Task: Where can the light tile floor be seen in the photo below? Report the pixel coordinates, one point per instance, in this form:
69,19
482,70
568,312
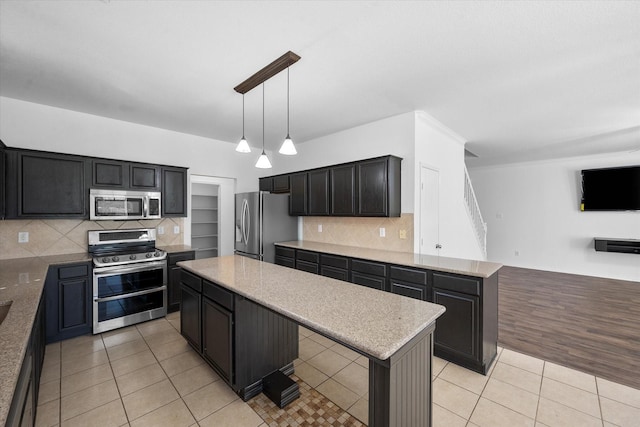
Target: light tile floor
147,375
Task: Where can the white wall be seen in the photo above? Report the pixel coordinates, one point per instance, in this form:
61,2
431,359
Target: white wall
394,135
539,204
439,148
41,127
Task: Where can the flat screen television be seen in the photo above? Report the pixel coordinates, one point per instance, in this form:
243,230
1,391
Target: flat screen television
611,189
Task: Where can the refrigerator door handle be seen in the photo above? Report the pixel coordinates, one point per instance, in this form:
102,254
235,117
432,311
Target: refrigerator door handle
247,228
242,218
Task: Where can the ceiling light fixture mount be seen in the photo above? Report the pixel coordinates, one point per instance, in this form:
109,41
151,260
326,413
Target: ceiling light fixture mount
280,64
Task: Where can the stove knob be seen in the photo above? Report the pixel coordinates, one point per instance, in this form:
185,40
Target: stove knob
157,253
149,255
105,259
132,257
116,258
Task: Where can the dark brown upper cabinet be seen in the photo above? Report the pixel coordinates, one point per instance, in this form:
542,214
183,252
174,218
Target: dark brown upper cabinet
319,192
2,179
174,192
378,183
125,175
343,190
45,185
298,194
368,187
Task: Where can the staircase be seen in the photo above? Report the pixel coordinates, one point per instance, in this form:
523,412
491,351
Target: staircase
479,226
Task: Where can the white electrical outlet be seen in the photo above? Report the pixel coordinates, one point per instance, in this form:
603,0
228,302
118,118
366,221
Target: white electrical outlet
160,230
23,237
382,232
319,228
176,229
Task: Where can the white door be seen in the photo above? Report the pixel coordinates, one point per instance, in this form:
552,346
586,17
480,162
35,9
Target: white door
429,211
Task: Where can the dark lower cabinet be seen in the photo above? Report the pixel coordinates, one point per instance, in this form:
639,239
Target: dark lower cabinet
174,192
217,338
466,334
241,340
190,315
173,278
68,299
22,411
457,329
2,180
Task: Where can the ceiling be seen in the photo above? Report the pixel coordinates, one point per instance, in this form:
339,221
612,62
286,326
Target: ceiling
517,80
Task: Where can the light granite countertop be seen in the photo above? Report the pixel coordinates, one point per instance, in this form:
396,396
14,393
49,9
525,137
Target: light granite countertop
374,322
21,281
174,248
467,267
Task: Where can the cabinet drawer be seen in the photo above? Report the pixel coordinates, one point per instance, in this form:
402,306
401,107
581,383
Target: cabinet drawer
286,262
307,256
73,271
285,252
218,294
409,275
335,273
181,256
410,290
334,261
454,283
367,280
307,266
191,280
375,268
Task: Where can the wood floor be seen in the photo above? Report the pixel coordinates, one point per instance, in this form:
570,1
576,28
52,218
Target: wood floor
582,322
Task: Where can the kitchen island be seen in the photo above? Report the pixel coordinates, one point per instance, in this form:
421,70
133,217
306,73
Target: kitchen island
392,331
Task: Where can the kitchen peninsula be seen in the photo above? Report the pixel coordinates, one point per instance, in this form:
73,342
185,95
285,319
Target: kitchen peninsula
392,331
466,334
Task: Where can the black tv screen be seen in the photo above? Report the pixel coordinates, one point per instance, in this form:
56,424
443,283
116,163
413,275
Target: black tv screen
611,189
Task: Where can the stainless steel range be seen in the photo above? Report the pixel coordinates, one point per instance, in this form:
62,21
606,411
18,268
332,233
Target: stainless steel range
129,278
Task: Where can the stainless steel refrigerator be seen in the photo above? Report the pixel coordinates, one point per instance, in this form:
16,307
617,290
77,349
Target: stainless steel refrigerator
261,220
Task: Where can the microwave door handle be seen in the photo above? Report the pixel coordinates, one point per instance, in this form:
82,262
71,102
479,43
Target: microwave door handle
145,206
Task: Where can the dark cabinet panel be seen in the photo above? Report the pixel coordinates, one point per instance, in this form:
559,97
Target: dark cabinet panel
466,285
298,194
319,192
144,177
411,290
68,298
457,330
107,173
173,283
286,262
343,190
335,273
313,257
217,344
369,267
372,187
335,261
309,267
46,185
174,192
375,282
266,184
2,180
190,315
281,184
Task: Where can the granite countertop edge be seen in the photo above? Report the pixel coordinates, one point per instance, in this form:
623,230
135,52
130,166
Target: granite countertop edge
475,268
22,282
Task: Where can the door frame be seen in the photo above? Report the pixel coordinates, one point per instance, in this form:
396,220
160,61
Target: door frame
419,207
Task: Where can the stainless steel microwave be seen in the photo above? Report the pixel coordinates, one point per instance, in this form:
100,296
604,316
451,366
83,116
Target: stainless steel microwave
114,204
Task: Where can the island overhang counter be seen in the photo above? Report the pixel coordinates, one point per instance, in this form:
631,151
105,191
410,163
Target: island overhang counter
394,332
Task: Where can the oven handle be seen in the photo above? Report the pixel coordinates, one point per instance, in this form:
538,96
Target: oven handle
118,269
129,295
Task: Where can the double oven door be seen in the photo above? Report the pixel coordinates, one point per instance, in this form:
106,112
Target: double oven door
127,294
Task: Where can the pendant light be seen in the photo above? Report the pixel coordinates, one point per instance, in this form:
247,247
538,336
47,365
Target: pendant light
243,145
263,161
287,147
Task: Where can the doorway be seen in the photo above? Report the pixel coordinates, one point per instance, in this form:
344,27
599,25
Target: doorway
429,211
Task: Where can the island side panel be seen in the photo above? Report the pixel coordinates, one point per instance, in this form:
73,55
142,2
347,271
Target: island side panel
489,321
264,342
400,387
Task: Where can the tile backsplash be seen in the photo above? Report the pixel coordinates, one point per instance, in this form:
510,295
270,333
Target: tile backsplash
67,236
361,232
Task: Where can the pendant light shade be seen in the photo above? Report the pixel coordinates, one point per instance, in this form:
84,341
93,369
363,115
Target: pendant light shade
263,161
287,147
243,145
